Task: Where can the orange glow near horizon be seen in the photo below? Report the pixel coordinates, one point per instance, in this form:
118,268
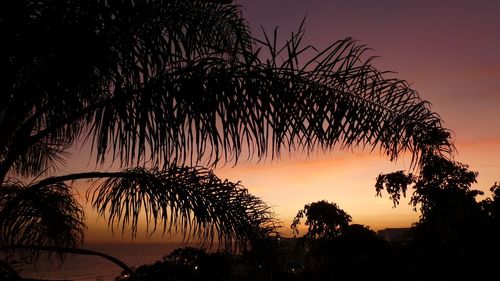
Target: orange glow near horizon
345,178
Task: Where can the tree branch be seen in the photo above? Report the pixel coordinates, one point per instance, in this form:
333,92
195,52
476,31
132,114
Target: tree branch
79,176
68,250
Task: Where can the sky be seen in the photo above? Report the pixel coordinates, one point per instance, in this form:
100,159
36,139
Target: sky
450,53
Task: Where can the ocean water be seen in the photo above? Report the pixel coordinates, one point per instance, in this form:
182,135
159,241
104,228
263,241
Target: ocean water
92,268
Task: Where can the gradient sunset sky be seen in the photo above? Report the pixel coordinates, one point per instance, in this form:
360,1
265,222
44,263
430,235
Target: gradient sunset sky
448,50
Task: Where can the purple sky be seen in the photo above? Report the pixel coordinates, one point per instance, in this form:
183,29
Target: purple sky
449,50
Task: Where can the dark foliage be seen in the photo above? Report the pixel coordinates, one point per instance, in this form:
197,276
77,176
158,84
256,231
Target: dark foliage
189,264
324,220
453,236
180,196
46,217
335,250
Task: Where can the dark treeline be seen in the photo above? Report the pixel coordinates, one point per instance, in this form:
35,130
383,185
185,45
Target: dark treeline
456,238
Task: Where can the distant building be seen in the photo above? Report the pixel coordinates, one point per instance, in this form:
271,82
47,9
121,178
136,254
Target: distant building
393,234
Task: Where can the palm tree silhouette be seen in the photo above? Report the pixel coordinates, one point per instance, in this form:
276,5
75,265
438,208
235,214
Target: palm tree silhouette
163,88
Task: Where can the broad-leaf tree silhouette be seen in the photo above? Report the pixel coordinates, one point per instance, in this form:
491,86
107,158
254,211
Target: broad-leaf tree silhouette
162,88
442,190
492,205
333,248
448,238
324,220
326,224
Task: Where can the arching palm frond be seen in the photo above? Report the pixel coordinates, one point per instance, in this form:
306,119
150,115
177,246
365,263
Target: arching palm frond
184,81
41,157
192,202
45,217
215,109
92,54
189,201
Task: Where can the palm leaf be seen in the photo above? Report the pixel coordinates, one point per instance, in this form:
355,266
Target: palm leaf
46,217
217,110
184,82
49,95
190,201
203,107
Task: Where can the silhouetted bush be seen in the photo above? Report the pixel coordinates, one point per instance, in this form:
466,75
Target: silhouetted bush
185,264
